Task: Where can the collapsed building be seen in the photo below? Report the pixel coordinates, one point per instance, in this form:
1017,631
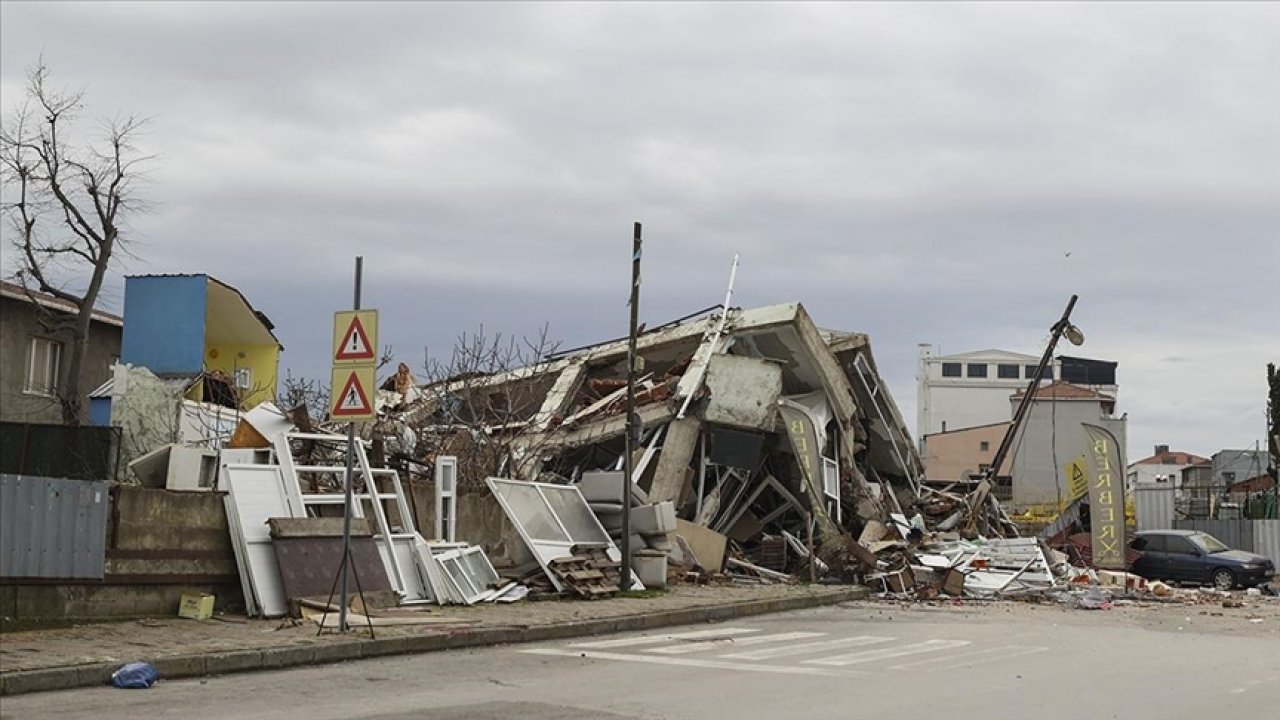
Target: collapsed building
755,424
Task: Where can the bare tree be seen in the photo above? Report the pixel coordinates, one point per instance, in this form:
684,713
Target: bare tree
477,406
67,205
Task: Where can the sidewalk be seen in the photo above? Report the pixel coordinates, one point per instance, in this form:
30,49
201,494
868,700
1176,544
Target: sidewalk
86,655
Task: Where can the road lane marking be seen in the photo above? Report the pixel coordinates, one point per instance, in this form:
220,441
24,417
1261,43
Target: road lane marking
692,662
652,639
886,653
996,653
693,647
805,648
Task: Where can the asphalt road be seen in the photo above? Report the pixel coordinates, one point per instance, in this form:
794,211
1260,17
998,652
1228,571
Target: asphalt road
835,662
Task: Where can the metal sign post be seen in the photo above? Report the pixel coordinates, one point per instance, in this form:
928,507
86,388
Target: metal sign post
351,395
346,500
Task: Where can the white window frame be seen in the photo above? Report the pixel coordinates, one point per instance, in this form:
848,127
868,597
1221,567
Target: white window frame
52,367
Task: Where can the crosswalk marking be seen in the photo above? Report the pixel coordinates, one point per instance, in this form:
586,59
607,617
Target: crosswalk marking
978,656
805,648
693,647
699,663
886,653
652,639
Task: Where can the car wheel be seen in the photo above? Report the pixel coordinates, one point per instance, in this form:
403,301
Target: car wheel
1224,579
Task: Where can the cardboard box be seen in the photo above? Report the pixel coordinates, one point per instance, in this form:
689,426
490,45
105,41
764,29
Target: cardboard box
196,606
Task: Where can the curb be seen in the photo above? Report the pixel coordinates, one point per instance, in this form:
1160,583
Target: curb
218,663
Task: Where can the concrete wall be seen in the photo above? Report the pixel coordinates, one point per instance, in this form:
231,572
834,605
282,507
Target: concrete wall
165,323
481,521
949,454
160,544
1052,432
18,324
955,407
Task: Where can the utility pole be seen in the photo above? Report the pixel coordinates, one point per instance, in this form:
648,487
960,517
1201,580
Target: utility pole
632,429
1007,441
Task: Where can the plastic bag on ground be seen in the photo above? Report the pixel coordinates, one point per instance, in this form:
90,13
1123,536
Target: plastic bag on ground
135,676
1095,599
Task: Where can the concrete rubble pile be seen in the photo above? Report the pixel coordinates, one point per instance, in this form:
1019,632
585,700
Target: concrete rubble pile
768,447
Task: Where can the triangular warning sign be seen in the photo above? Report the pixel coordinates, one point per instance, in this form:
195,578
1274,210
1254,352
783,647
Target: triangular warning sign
353,400
355,343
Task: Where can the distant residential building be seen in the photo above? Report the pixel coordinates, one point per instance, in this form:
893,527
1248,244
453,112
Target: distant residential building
1233,466
1163,467
960,455
971,389
34,354
1035,470
1052,437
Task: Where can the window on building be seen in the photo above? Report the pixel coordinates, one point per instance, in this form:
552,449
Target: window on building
43,365
950,369
977,370
1029,371
984,446
244,379
1229,477
1007,372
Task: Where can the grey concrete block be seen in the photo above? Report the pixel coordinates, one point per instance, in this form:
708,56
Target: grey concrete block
339,651
180,666
229,662
283,657
98,674
656,519
385,646
41,680
606,487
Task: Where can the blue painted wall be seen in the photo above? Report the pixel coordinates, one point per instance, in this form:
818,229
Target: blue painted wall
164,323
100,411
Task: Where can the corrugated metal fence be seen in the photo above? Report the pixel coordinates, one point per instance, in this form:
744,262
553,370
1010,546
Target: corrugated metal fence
1235,533
1153,508
52,528
1257,536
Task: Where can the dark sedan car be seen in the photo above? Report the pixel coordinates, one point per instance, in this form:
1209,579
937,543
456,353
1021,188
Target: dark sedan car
1193,556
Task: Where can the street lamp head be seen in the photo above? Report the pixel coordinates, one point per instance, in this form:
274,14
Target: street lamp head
1074,335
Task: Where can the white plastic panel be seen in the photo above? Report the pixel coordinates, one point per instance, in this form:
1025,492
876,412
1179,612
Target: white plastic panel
255,493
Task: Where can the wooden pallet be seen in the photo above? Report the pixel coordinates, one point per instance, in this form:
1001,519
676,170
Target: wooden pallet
588,573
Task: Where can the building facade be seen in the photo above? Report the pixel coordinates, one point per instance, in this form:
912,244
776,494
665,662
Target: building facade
33,358
1052,438
194,354
1164,467
961,455
970,389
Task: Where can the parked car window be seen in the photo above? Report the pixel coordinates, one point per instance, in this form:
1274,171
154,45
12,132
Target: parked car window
1209,543
1180,545
1151,543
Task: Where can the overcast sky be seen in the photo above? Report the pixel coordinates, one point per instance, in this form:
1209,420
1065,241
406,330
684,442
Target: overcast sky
922,173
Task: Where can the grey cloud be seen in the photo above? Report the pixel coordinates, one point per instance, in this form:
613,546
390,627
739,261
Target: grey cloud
918,172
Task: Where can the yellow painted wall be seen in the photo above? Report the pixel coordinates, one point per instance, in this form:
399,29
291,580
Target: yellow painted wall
262,360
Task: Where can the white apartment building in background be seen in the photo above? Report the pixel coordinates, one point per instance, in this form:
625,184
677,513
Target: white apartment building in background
970,389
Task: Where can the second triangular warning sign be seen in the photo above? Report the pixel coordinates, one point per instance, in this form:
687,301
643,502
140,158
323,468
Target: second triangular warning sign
351,396
355,335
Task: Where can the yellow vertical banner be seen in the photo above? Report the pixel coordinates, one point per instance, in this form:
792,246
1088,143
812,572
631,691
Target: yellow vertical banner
1106,497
